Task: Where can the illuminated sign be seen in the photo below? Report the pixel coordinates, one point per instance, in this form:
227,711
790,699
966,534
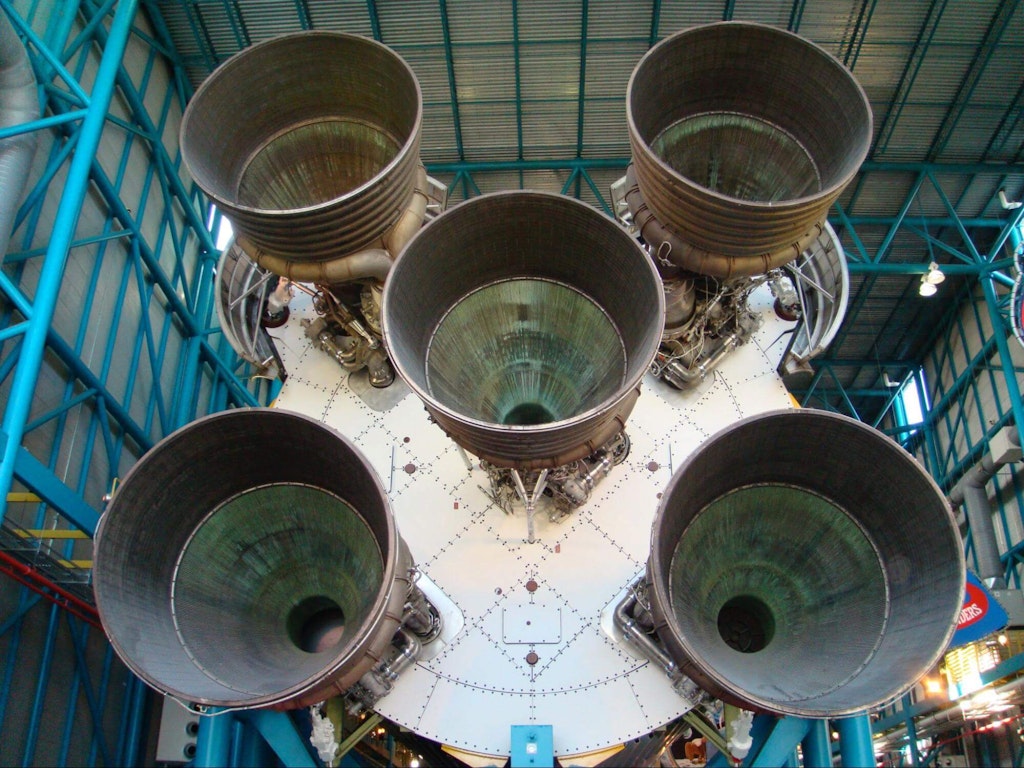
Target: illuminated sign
980,614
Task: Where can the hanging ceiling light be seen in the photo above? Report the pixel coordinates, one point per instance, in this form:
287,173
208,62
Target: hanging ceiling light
930,280
934,274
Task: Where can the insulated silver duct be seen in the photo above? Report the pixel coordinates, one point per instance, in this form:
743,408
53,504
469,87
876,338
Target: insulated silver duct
19,104
251,559
525,322
971,494
309,143
821,287
242,289
804,564
742,137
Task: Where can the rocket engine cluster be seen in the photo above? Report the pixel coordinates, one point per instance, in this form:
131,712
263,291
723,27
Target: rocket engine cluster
526,322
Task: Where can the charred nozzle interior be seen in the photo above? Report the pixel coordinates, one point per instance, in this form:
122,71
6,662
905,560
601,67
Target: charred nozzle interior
742,137
525,321
251,559
805,564
308,142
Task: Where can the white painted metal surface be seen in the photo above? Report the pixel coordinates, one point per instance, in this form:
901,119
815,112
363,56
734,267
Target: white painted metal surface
506,602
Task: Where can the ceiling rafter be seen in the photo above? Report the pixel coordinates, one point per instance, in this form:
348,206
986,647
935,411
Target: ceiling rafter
570,136
983,55
911,70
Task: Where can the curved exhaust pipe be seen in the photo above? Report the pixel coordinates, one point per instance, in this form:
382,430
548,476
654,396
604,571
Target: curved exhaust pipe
19,104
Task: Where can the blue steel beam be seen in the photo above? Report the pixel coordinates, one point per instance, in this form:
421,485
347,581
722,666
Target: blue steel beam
31,354
302,11
13,257
77,94
213,742
867,168
27,467
890,117
1010,375
202,35
190,369
140,113
218,743
104,691
958,106
953,213
181,310
45,122
1010,232
130,739
915,756
775,746
796,14
90,380
449,61
45,484
371,10
855,747
234,17
581,87
82,676
652,38
519,84
883,249
851,49
280,732
817,746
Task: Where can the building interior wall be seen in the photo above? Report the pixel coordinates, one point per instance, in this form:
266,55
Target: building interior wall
119,370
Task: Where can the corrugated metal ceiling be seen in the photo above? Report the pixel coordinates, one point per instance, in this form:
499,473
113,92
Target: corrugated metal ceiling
531,93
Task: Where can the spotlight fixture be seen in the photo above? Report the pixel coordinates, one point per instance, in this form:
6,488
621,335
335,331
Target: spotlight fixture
934,274
930,280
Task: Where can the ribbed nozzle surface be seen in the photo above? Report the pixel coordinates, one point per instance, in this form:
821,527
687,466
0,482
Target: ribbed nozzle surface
804,563
308,142
524,321
743,135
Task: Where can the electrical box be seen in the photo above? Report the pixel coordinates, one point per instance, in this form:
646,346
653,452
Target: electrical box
179,727
1003,450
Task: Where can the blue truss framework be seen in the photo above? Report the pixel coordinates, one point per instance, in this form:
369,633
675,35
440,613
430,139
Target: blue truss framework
181,367
127,381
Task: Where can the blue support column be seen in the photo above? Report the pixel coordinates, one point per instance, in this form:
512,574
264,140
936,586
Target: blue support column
817,746
133,742
30,359
280,732
855,747
776,746
915,756
213,743
248,748
190,366
1012,387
